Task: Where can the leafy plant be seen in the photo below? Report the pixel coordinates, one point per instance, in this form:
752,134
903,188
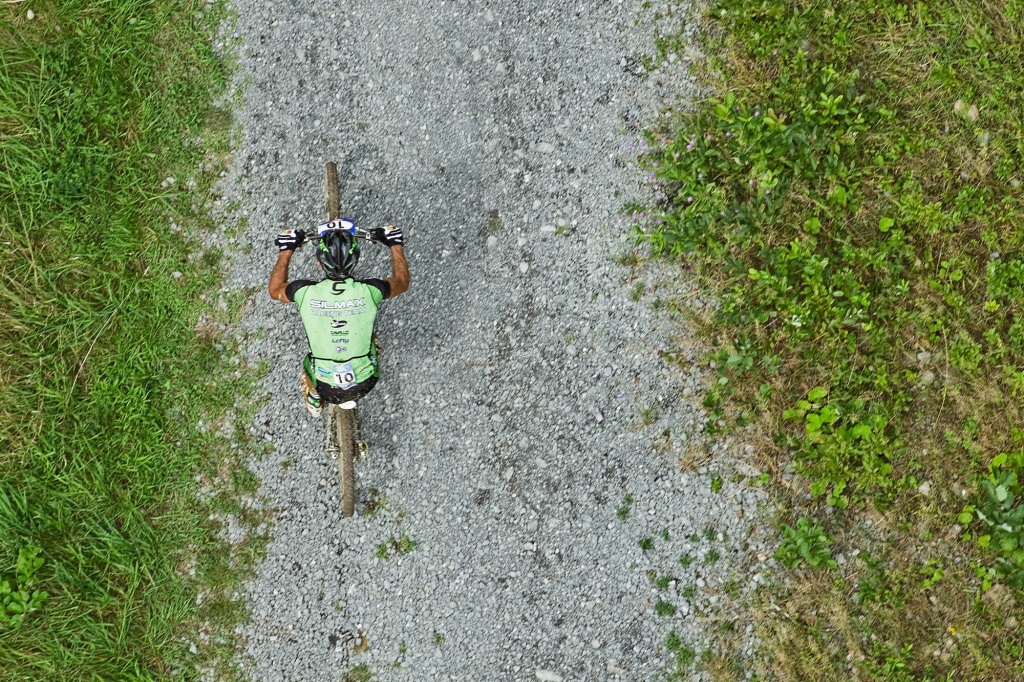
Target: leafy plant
663,608
1001,515
805,545
19,597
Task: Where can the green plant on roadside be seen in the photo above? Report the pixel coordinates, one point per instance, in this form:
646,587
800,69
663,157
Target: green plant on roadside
853,196
360,673
684,657
437,638
1000,514
19,596
686,559
108,413
716,484
711,557
663,608
627,505
395,546
807,544
648,416
646,543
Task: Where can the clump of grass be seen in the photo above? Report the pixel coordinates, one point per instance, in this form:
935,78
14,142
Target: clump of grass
627,505
648,416
854,197
104,377
686,559
646,543
663,608
360,673
437,638
395,545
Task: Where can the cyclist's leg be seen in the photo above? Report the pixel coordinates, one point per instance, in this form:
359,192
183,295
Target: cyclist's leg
309,393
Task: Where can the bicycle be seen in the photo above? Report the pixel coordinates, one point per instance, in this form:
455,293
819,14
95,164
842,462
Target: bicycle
344,442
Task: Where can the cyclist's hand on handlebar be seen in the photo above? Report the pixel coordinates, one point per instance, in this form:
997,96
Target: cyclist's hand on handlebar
289,240
388,236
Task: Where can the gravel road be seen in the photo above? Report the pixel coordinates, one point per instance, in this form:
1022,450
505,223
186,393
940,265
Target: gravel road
527,435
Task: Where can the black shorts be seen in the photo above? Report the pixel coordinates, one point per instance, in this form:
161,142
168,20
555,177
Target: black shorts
330,394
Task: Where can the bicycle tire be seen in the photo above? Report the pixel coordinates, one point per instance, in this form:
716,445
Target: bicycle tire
331,193
345,426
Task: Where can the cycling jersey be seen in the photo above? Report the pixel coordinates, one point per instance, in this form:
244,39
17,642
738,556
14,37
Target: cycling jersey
338,316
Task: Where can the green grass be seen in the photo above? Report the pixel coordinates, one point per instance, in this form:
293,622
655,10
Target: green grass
853,197
103,378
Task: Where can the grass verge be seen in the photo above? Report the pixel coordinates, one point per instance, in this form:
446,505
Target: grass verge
853,196
108,414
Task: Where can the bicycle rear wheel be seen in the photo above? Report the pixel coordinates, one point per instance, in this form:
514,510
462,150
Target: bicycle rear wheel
344,426
331,192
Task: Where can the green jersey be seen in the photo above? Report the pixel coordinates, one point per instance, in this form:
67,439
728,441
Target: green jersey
338,316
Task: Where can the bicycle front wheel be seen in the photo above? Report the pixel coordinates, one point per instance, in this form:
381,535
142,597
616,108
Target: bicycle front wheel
332,196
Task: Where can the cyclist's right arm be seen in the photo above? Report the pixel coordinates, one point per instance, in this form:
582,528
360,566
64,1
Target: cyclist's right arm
398,282
279,277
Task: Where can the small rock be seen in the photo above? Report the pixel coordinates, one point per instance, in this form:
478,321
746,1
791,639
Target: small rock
972,113
545,147
925,488
548,676
927,377
492,241
30,15
488,16
176,274
523,267
547,228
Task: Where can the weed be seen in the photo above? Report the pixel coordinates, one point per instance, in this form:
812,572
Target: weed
360,673
805,545
646,543
19,596
663,608
400,545
627,504
711,557
684,656
648,416
663,582
437,638
636,292
689,592
375,501
400,659
665,535
716,484
686,559
494,220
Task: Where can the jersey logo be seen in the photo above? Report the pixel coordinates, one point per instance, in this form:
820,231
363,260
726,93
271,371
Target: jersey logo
338,288
338,324
337,305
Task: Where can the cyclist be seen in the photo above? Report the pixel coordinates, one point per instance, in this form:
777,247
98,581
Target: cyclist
338,312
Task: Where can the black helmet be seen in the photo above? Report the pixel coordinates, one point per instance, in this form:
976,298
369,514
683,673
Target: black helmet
338,253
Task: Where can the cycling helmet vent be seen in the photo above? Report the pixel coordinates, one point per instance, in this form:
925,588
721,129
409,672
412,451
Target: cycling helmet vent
338,253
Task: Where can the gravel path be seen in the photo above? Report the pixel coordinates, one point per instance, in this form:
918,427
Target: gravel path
526,434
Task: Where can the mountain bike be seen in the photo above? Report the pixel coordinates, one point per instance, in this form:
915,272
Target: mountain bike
344,442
